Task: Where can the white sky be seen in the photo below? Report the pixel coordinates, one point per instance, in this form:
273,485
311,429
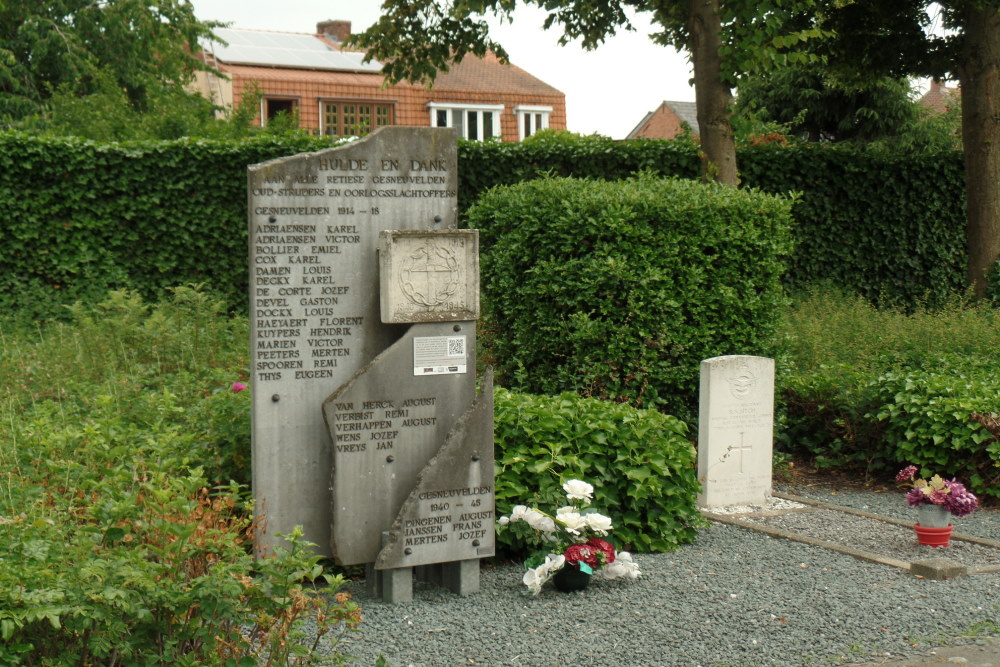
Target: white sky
608,90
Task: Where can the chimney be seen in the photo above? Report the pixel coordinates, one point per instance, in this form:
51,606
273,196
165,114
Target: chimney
338,31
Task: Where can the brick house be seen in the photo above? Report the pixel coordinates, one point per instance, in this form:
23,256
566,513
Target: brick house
335,93
665,122
940,98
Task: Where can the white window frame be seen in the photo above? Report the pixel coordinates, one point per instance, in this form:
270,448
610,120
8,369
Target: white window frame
535,117
464,110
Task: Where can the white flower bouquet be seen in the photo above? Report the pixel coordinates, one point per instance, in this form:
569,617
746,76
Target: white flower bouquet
571,539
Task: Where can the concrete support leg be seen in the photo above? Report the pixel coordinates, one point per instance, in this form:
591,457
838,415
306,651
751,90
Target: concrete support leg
461,577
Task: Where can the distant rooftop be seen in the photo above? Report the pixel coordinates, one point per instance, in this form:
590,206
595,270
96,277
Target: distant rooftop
687,112
265,48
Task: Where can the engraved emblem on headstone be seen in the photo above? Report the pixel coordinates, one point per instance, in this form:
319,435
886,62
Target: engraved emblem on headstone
741,383
429,275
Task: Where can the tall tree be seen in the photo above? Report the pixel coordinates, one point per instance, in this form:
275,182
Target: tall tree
417,38
78,46
818,107
878,37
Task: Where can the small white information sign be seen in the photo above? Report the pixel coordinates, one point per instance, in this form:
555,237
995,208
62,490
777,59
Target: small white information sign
439,355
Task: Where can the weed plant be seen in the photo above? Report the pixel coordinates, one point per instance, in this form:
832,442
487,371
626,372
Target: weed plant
871,387
125,528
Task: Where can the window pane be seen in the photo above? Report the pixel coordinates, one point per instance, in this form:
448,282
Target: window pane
442,118
364,119
538,122
487,125
527,124
330,119
473,132
381,116
456,122
350,118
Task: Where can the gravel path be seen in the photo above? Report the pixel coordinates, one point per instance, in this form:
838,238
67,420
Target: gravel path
734,597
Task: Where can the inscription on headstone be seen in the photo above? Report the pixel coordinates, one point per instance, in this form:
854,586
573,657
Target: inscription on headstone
314,223
386,424
735,433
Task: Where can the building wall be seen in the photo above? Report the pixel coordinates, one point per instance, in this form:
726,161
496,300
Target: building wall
662,124
308,87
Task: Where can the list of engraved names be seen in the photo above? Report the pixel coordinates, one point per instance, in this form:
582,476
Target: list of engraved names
305,319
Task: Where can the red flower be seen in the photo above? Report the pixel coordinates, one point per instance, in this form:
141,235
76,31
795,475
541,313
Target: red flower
605,551
581,553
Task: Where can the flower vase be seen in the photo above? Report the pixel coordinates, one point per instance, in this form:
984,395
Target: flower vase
932,527
568,579
932,516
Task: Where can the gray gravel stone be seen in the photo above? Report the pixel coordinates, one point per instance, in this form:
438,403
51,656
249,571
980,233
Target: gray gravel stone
734,597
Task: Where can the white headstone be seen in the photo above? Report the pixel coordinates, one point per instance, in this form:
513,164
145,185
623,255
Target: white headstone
735,432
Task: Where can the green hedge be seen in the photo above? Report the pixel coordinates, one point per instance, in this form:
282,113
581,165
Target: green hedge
641,464
890,227
619,289
83,217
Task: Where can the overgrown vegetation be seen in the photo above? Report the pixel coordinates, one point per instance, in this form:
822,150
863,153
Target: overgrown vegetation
123,540
641,464
874,388
618,290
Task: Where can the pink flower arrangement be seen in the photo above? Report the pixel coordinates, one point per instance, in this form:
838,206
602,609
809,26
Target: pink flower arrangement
238,387
952,494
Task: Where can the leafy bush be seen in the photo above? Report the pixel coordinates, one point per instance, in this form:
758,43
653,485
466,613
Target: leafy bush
640,462
938,418
877,388
115,549
619,290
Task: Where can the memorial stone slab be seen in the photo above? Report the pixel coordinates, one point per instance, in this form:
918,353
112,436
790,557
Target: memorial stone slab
314,225
449,515
385,425
735,432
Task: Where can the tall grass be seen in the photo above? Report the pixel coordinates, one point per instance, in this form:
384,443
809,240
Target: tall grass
124,522
874,388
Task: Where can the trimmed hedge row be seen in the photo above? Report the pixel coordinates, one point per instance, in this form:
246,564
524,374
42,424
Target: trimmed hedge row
619,289
640,462
83,217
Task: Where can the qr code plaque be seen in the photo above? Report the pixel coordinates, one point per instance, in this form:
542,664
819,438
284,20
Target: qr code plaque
456,346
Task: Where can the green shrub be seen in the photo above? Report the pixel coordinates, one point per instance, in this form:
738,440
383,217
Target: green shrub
618,290
640,462
873,388
937,418
114,547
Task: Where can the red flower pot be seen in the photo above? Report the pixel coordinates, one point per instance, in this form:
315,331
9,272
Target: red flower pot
934,537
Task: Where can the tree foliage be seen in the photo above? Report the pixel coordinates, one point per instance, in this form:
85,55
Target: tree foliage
417,38
875,38
818,107
81,47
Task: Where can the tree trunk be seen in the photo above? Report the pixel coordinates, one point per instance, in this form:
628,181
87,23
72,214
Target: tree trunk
979,73
713,96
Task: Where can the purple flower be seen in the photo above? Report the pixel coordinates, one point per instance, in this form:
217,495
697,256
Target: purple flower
960,501
916,497
238,387
907,473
